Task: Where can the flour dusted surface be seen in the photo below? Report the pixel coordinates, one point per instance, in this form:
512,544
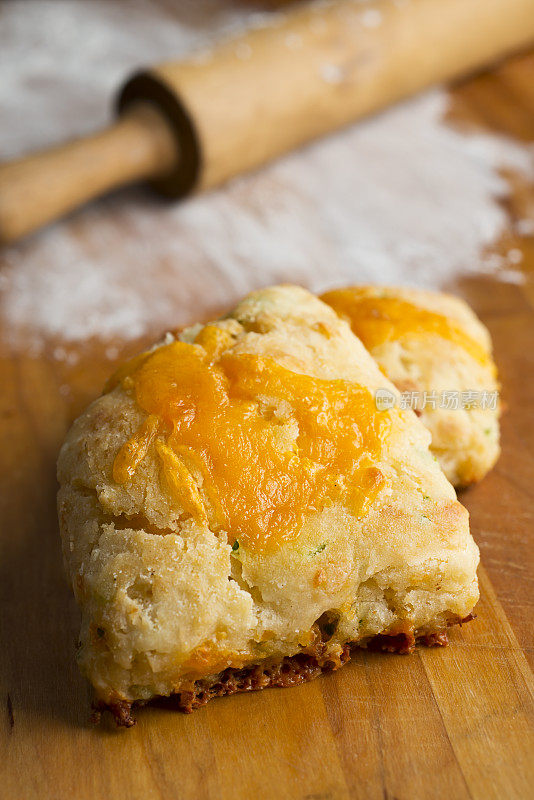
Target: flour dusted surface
401,198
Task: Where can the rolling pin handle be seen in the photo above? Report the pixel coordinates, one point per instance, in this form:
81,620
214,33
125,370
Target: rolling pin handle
46,185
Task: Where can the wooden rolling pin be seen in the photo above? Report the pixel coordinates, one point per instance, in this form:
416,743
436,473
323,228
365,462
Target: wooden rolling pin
191,125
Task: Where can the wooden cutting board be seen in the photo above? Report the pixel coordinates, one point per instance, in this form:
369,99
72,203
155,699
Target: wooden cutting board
443,723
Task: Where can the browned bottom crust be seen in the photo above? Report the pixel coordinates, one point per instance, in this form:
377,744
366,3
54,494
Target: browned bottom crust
289,671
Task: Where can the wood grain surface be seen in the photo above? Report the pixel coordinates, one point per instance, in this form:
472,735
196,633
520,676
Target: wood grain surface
443,723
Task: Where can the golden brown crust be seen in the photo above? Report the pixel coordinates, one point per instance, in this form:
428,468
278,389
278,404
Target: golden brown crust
315,660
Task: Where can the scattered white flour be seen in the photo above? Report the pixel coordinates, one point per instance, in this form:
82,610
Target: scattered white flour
401,198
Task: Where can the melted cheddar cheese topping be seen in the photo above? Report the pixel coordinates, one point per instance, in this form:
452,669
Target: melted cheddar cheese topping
380,319
247,446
